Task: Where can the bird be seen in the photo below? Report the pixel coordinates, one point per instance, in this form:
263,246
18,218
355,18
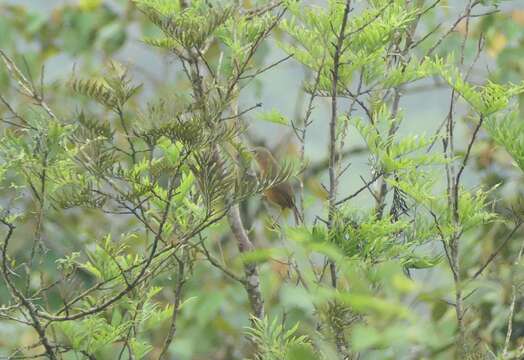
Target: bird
281,194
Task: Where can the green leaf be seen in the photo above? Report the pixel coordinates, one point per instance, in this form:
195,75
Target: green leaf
184,187
274,116
364,337
301,352
438,310
139,348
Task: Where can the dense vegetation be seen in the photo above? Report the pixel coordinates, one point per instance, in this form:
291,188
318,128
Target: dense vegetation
139,220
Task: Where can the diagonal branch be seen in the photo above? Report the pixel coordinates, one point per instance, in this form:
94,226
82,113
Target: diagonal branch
497,251
30,307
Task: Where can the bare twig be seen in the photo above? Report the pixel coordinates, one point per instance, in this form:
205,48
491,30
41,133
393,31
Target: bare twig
243,112
496,252
453,183
302,133
364,187
333,152
27,304
219,266
379,13
26,86
180,279
510,321
334,158
466,156
264,69
263,9
512,307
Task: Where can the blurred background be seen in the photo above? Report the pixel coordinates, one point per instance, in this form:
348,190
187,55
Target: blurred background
58,39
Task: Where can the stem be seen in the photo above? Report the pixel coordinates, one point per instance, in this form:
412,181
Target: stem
333,153
459,300
397,94
120,113
39,228
176,305
510,321
453,184
333,160
30,307
512,306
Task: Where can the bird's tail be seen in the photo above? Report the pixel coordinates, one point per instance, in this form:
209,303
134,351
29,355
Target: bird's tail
298,217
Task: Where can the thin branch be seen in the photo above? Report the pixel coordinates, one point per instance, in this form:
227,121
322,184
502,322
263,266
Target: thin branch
250,14
130,286
219,266
466,156
453,182
176,307
340,340
243,112
512,307
120,113
510,321
364,187
26,86
466,14
333,124
497,251
379,13
30,307
260,71
302,133
16,115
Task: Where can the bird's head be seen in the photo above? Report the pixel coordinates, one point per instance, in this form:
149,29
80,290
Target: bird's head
265,159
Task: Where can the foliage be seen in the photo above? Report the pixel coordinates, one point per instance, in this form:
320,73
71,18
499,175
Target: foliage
131,212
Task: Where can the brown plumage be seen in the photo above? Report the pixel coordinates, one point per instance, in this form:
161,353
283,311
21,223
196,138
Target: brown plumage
281,194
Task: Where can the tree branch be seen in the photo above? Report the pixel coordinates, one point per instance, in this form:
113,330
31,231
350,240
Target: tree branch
252,283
